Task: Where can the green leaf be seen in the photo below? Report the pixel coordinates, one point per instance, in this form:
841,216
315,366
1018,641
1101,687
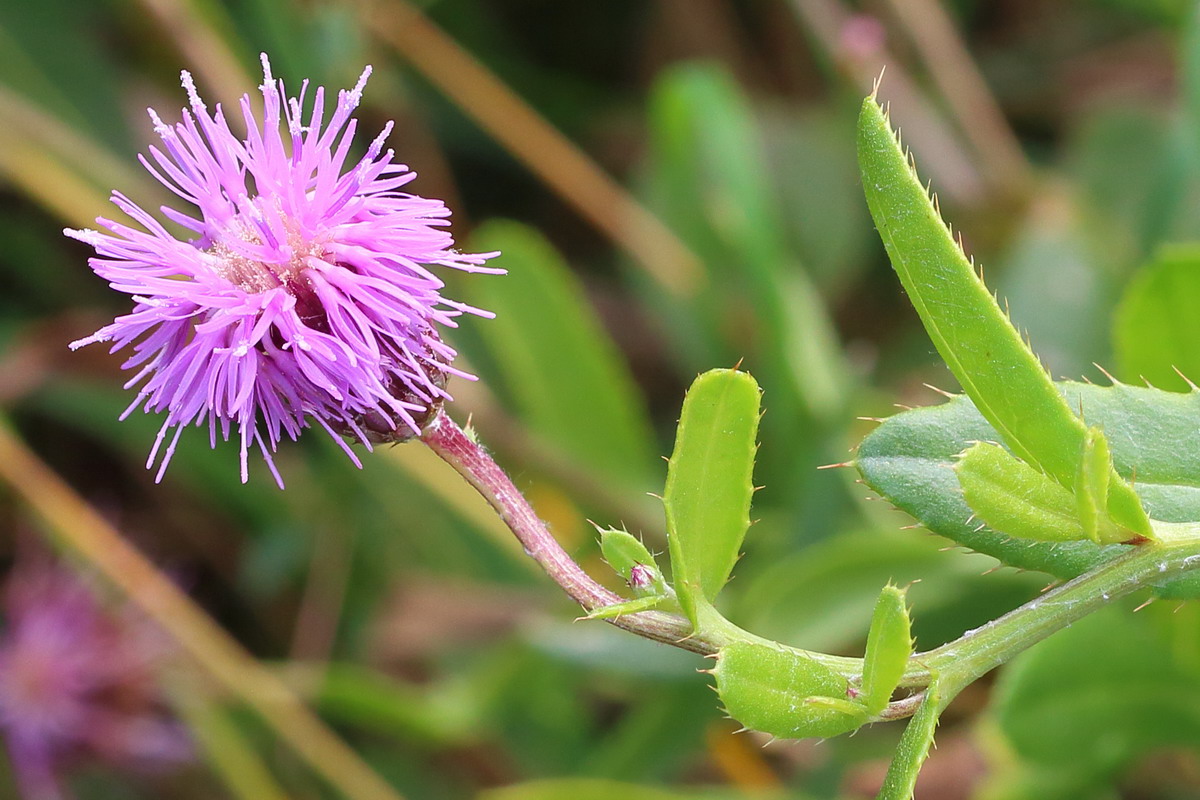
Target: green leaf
975,338
1157,330
709,483
646,603
624,552
1008,495
909,459
767,689
889,644
1092,489
901,777
556,361
632,561
1112,687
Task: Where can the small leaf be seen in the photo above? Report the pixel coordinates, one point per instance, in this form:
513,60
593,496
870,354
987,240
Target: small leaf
909,460
709,483
1091,490
1010,496
631,560
1156,330
889,645
782,693
629,607
977,341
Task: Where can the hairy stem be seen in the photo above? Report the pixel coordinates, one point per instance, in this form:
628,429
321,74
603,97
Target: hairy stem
981,650
471,461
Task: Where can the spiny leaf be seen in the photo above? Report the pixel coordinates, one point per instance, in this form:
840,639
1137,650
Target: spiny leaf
1091,489
633,562
778,692
889,644
973,335
1008,495
646,603
909,460
709,486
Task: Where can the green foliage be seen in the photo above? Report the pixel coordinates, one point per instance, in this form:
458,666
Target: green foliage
909,460
1008,495
769,689
841,576
594,789
985,352
710,483
889,644
1062,703
713,185
555,359
1156,330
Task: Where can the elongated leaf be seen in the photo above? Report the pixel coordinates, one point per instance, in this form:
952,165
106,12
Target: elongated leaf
768,689
909,459
982,348
709,483
889,644
555,359
1157,329
1008,495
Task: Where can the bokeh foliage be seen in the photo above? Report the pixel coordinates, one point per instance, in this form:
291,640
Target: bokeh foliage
393,602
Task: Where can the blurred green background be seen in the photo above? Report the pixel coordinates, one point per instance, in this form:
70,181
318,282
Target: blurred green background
1062,140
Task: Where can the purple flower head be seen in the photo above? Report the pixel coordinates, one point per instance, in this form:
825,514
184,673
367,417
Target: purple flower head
78,683
306,293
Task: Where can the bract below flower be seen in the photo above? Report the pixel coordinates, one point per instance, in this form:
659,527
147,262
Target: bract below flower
307,292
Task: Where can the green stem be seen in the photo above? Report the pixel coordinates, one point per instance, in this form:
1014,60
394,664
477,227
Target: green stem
981,650
474,463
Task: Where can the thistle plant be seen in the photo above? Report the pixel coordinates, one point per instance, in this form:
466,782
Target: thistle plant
303,292
307,295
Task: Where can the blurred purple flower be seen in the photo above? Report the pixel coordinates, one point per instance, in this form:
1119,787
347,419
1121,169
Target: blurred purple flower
78,683
306,294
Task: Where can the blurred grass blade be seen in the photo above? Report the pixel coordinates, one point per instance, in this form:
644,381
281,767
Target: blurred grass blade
532,140
975,338
81,531
709,483
1157,330
558,364
227,751
714,187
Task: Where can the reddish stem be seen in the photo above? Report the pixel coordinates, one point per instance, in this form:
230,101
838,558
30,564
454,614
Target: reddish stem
471,461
